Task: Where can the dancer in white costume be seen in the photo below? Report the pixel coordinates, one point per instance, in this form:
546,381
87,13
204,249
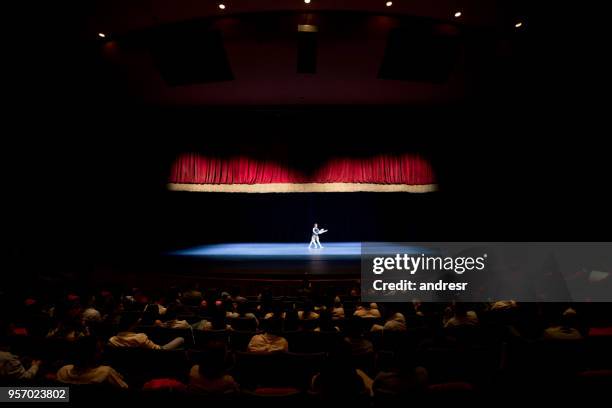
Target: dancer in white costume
315,237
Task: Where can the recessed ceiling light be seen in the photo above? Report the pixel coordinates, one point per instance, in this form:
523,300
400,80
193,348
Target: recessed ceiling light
458,14
307,1
222,6
519,24
389,3
101,35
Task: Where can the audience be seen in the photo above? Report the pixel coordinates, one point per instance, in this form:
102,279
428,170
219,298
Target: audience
171,321
276,311
566,330
208,375
337,309
308,312
150,315
367,310
396,322
86,369
11,366
216,320
269,341
69,327
326,322
243,312
398,364
338,376
404,378
192,296
91,314
292,320
129,337
459,315
355,339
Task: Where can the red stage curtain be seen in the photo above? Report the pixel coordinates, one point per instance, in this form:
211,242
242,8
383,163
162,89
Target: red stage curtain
194,168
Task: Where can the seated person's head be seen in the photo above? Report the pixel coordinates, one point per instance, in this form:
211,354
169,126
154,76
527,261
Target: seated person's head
569,318
150,314
211,360
243,308
291,314
273,325
325,320
353,327
87,351
339,363
128,322
171,313
461,309
217,318
308,307
235,292
277,308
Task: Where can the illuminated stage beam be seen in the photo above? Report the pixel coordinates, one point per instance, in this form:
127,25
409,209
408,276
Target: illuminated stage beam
305,188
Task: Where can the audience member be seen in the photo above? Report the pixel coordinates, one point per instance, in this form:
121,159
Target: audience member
11,366
270,340
208,375
129,337
404,378
459,315
566,329
367,310
86,369
338,377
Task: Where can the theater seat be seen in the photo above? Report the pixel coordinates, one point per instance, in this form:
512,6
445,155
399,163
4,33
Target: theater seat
162,335
203,337
452,393
254,370
272,397
141,365
243,323
596,382
101,394
239,340
310,341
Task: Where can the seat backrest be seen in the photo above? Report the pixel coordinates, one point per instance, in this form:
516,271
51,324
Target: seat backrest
141,365
203,337
239,340
243,323
253,370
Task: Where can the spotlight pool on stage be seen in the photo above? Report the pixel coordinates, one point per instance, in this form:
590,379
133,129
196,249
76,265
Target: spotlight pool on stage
285,251
332,250
272,260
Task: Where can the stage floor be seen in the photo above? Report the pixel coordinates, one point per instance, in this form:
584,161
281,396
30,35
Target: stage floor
274,259
271,260
269,251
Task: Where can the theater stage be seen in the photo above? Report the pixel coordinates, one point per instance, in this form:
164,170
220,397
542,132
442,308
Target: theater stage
215,264
270,251
273,260
268,260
